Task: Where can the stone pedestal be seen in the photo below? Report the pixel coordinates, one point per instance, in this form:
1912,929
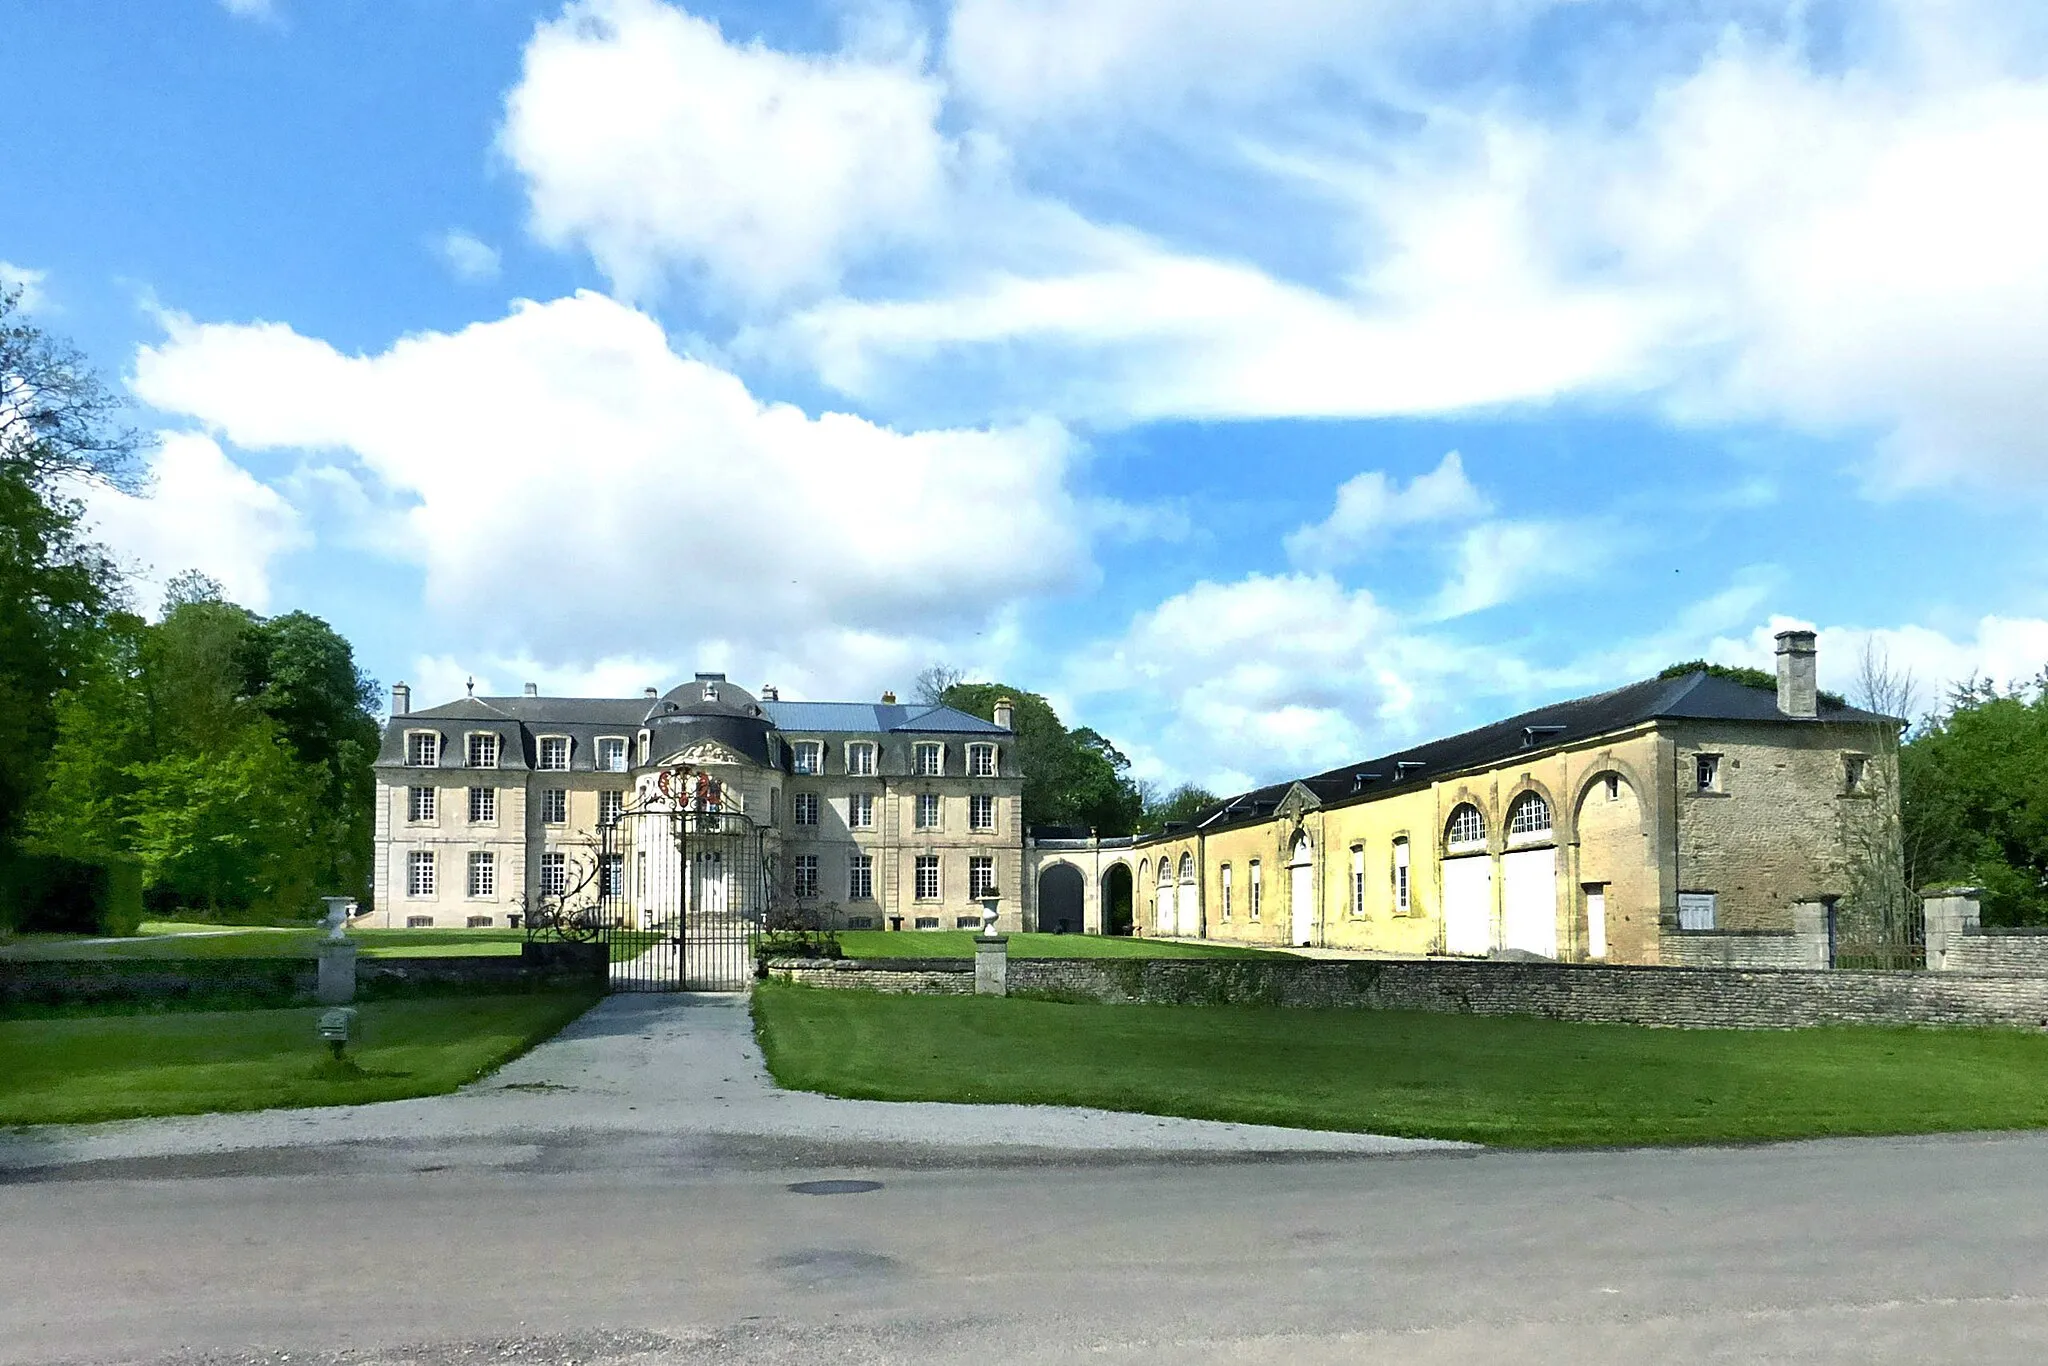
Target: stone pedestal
1950,914
337,984
992,965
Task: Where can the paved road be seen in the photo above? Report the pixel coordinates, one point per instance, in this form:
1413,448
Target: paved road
639,1244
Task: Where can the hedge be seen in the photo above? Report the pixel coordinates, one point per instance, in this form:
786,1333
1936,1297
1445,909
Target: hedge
50,894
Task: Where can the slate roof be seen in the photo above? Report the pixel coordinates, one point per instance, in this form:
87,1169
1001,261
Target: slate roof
1698,696
809,717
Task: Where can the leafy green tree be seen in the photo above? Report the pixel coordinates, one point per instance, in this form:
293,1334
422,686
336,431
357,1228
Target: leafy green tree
1071,777
1974,783
227,830
1180,804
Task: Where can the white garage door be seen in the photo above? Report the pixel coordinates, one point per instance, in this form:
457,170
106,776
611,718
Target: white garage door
1190,911
1468,905
1528,901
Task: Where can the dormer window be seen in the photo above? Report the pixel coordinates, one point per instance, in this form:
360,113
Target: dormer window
422,749
483,751
860,759
807,756
981,761
710,692
554,753
929,760
611,754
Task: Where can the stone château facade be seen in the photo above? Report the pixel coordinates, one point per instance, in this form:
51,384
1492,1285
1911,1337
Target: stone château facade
872,815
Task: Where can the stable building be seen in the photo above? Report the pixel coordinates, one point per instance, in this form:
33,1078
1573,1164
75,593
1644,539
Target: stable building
705,800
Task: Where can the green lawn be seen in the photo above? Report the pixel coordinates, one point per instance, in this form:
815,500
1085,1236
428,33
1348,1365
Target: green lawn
124,1066
960,944
267,943
1515,1082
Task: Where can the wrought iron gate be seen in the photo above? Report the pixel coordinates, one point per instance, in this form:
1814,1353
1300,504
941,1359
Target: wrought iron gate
675,887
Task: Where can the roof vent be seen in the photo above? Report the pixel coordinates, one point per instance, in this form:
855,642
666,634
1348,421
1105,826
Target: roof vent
1530,734
1404,767
1359,780
533,690
888,699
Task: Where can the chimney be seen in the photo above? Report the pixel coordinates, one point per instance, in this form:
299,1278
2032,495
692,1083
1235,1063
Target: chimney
649,693
1005,712
401,700
533,690
770,693
1798,675
888,699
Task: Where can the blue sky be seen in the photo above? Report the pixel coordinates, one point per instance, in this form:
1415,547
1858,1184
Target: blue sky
1268,385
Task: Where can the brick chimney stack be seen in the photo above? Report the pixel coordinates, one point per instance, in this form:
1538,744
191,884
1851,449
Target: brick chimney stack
1798,675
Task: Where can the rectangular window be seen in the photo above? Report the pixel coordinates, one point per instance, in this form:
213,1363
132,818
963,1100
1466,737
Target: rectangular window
419,873
981,812
806,757
554,753
860,922
860,811
1358,880
930,761
483,751
479,922
1855,771
483,805
927,811
1696,910
554,874
981,761
927,922
927,877
966,922
611,875
554,805
1226,891
419,922
804,808
423,749
981,877
860,879
1706,772
860,760
806,874
483,874
1401,876
611,754
1252,909
611,803
419,803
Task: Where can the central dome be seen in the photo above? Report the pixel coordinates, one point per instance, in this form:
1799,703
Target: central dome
707,695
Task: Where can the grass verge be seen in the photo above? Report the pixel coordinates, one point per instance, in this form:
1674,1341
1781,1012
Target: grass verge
77,1069
267,943
1512,1082
960,944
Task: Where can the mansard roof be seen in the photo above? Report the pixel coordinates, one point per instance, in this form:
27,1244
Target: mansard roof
1697,696
853,717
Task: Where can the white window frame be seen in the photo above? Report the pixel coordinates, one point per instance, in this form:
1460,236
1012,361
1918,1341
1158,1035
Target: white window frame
422,806
1698,910
927,801
928,863
476,738
1521,824
1467,842
860,878
981,812
548,797
805,875
860,758
562,745
418,861
799,763
604,765
415,740
981,877
802,803
483,806
933,750
554,873
1707,773
611,804
1401,874
981,761
483,875
860,811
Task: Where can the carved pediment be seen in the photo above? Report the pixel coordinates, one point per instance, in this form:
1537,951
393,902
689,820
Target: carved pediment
1297,802
706,754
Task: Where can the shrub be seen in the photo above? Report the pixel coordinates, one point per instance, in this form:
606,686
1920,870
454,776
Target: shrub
51,894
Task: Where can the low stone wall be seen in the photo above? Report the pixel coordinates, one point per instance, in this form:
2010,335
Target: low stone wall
292,980
2023,952
918,976
1778,949
1699,998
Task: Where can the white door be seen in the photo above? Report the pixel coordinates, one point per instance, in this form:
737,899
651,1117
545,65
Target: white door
1190,907
1528,901
1300,903
1168,923
1468,905
1596,922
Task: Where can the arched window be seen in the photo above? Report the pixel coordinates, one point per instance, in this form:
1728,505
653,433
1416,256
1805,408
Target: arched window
1530,816
1165,873
1467,828
1187,867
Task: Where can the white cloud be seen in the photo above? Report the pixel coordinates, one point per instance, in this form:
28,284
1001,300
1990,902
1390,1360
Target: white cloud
250,9
197,510
650,140
29,282
570,483
2006,650
469,256
1370,506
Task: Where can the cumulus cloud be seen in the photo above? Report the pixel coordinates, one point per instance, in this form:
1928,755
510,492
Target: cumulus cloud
569,482
197,510
1370,506
2008,651
653,142
467,255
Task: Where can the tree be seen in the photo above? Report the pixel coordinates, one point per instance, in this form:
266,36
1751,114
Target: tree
1882,898
1181,805
1974,784
933,683
57,420
1075,778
